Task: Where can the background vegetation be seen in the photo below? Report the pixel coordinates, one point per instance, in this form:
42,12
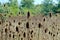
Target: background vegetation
12,7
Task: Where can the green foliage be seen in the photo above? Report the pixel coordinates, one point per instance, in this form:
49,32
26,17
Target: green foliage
1,8
47,6
12,7
27,3
58,6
